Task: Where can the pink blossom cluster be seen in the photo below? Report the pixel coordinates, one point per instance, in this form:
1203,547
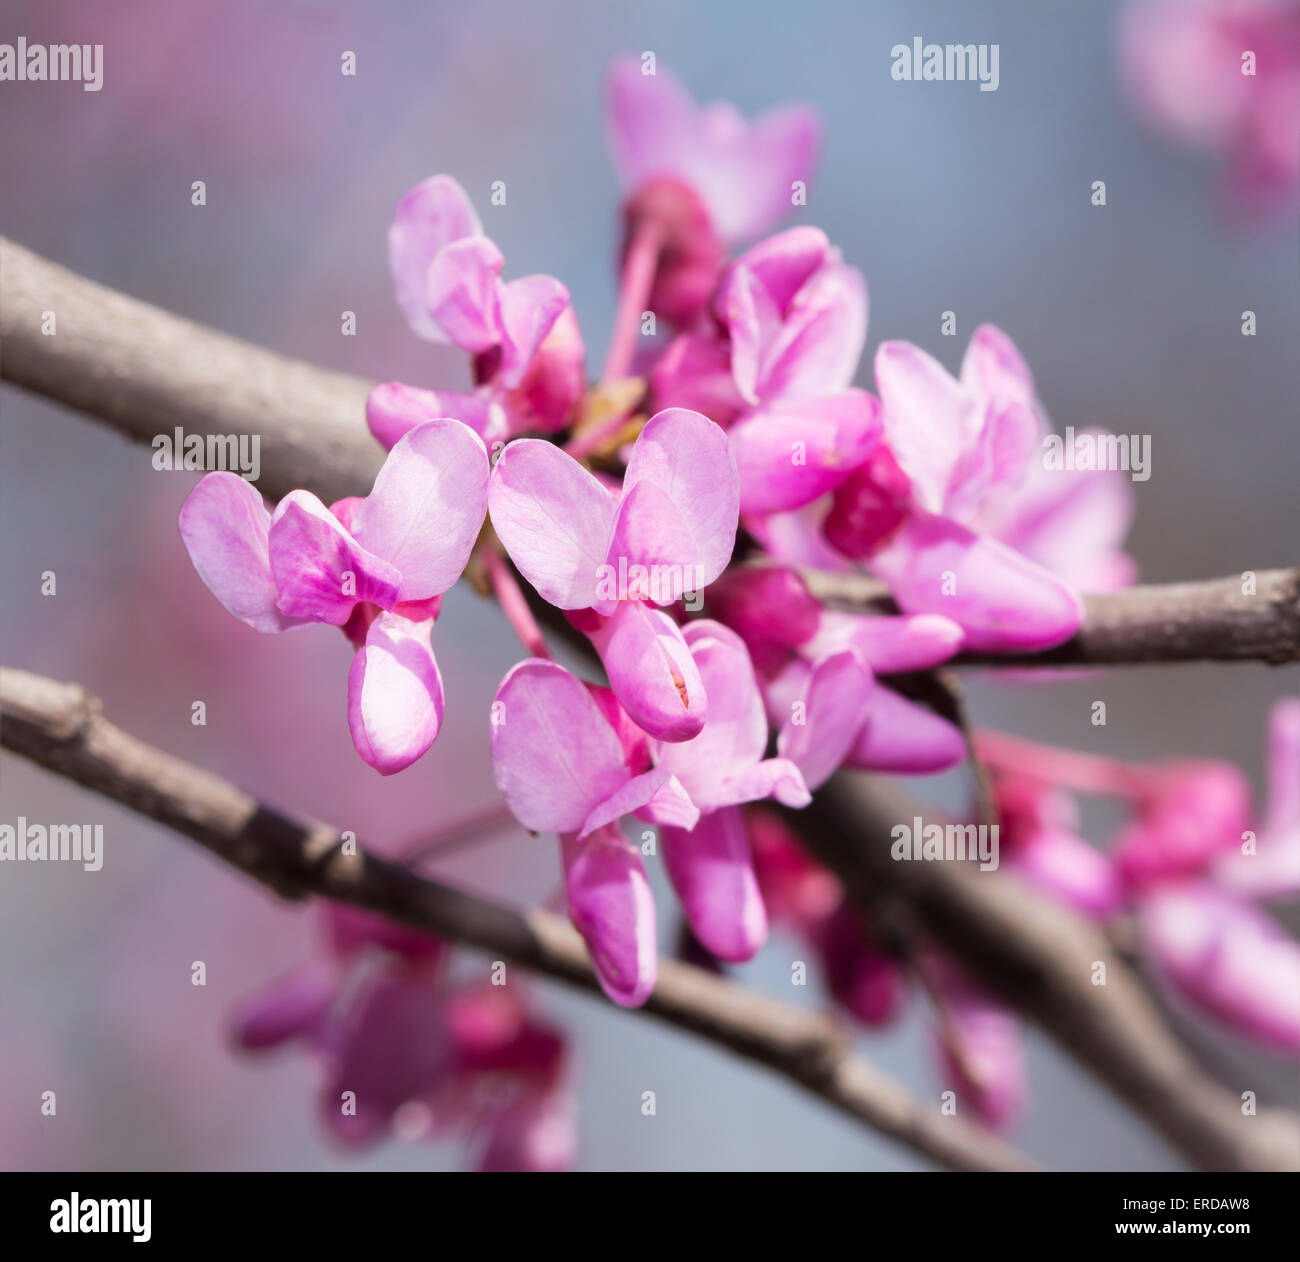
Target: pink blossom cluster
706,472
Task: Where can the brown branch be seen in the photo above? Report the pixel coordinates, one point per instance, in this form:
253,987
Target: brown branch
1208,621
59,727
144,371
1041,959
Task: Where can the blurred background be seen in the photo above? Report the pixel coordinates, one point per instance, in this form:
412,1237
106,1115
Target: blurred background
947,198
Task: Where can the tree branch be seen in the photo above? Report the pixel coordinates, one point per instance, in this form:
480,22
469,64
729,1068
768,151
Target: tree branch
1041,958
1208,621
143,371
58,726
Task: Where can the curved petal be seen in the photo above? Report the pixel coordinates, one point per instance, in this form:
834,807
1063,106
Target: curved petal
1003,602
994,369
904,738
462,293
289,1007
224,525
427,506
650,117
656,795
689,458
554,756
735,735
652,672
1230,960
393,409
433,214
789,454
825,720
817,348
889,643
930,419
530,306
610,904
395,699
554,519
320,570
712,870
1067,867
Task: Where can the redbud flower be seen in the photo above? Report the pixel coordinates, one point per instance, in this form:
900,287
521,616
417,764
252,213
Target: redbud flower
817,668
376,1010
963,445
564,767
709,864
378,574
1232,961
528,351
795,319
669,531
700,179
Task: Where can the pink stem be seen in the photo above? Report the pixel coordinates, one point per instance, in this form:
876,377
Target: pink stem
1067,768
514,606
634,292
587,442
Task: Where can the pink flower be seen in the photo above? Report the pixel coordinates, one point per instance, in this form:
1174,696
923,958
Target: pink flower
793,319
700,179
375,568
568,762
1273,869
709,864
1192,812
818,669
1232,961
1041,842
1184,64
670,530
390,1034
528,351
978,511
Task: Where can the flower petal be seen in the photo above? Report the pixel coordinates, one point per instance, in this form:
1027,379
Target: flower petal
395,699
1004,602
791,453
713,873
610,904
656,795
689,458
224,524
827,716
432,215
554,519
902,737
554,756
320,570
427,506
530,306
652,672
393,409
463,294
